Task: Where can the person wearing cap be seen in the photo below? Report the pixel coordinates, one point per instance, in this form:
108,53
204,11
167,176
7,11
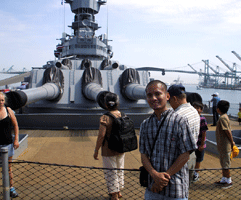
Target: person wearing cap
178,102
215,101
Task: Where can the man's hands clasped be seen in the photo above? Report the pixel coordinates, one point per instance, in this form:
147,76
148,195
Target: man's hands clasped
161,180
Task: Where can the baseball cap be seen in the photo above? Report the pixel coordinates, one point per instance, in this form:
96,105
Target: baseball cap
215,94
176,90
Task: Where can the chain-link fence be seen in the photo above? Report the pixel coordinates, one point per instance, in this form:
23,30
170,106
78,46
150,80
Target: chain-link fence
52,181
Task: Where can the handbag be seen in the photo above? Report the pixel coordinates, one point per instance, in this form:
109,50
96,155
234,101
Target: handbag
143,172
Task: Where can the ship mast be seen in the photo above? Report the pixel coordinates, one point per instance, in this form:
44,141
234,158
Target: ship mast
83,43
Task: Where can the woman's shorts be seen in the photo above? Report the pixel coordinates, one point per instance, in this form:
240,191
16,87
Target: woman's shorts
10,150
199,155
239,119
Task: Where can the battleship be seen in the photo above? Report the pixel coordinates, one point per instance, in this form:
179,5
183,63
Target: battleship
68,92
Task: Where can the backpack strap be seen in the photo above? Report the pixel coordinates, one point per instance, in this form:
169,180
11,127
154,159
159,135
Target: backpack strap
122,114
110,114
113,116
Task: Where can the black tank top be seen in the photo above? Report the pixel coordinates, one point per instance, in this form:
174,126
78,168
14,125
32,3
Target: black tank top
5,130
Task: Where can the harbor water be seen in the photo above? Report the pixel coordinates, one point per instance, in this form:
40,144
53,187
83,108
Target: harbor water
232,96
5,76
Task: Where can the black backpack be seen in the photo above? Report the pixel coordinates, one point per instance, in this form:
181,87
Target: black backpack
123,137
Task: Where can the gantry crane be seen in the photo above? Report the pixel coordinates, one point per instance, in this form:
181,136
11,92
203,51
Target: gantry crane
10,68
238,56
209,67
233,72
199,73
207,79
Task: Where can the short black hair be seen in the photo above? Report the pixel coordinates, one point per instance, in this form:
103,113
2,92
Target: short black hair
223,106
198,104
111,101
157,82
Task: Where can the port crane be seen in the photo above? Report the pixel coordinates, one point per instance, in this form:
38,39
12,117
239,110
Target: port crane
11,71
232,74
234,66
238,56
199,73
207,79
207,67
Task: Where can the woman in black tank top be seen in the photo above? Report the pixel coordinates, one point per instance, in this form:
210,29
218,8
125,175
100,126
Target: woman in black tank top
7,121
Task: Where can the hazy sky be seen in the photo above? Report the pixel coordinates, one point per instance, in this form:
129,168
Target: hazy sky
157,33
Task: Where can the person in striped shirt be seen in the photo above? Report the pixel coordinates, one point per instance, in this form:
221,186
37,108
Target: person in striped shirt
178,102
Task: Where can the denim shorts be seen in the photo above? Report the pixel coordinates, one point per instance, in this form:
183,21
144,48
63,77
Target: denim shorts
155,196
10,150
199,155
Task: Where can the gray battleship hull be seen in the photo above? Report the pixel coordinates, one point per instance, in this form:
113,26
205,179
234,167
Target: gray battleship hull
58,121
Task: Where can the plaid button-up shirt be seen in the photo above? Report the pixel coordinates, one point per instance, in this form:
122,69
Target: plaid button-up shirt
175,138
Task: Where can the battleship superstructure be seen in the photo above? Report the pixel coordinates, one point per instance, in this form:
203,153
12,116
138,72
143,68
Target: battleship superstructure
68,92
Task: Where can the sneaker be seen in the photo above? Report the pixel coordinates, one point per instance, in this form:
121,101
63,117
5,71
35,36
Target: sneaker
226,185
13,193
220,183
195,178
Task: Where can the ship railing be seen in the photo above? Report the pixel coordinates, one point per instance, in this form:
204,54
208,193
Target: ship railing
232,112
34,180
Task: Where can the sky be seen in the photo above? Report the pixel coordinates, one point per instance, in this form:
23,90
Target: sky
155,33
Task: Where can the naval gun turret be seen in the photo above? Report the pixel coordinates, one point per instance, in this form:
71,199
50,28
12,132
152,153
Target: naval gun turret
51,89
69,91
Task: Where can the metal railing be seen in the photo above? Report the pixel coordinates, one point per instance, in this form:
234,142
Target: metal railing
34,180
232,112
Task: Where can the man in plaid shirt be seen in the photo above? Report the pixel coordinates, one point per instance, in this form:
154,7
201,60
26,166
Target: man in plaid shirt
168,171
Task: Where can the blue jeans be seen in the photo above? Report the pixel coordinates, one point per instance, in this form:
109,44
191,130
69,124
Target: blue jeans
155,196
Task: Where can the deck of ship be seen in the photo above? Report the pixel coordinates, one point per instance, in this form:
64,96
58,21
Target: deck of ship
76,147
60,165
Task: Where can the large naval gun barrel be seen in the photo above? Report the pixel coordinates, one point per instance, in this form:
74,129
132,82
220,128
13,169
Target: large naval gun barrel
52,89
92,86
65,64
130,85
132,90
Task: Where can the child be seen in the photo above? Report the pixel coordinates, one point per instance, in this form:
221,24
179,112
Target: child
239,116
201,140
224,143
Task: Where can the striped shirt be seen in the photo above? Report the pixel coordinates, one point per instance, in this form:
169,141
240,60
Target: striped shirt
192,116
174,139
